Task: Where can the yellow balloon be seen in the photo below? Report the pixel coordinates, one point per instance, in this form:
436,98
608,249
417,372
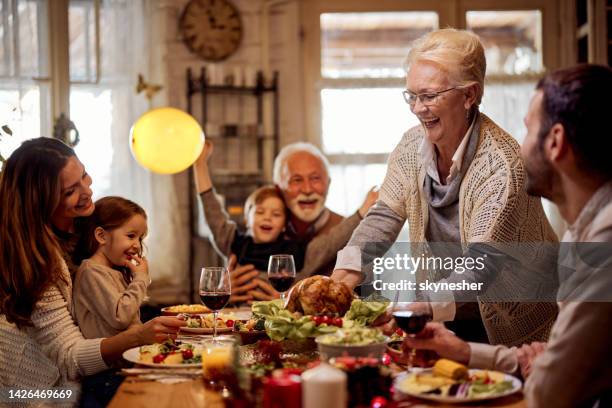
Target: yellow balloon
166,140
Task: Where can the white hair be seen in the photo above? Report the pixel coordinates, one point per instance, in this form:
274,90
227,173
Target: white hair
460,52
280,162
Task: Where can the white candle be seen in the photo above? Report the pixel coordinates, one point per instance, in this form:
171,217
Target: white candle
324,387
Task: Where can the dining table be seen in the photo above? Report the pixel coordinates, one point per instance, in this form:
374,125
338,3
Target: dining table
182,390
192,393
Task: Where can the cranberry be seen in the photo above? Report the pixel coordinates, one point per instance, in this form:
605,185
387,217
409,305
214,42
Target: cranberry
326,319
229,323
337,321
187,354
317,319
159,358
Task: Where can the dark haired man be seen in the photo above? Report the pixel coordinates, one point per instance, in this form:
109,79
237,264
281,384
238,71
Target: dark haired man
566,153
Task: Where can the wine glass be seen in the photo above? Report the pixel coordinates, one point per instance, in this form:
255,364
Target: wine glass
281,273
215,290
412,322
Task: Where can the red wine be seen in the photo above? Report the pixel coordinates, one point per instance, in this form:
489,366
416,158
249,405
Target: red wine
214,301
411,322
281,283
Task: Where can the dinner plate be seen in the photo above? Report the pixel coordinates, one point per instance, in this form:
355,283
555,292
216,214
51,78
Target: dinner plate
201,309
516,386
205,330
133,354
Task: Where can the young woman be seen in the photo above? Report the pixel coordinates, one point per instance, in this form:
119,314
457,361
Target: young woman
43,189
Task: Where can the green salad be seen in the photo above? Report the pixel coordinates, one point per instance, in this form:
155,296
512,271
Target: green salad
358,336
281,324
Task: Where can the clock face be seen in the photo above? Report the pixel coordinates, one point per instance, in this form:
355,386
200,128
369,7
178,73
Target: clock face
211,28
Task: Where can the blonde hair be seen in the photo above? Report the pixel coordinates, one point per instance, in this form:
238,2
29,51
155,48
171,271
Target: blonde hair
459,52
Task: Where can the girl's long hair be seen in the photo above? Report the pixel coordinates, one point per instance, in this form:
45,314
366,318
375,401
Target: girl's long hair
110,213
30,256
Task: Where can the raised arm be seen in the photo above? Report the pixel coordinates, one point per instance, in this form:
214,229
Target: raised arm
222,228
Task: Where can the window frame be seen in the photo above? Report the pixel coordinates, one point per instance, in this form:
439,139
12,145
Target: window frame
450,13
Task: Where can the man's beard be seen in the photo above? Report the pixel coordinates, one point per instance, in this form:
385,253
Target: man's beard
309,214
540,175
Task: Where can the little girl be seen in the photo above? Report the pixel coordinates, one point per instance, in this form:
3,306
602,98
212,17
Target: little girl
265,214
112,280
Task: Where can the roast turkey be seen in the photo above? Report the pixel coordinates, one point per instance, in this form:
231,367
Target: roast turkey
320,295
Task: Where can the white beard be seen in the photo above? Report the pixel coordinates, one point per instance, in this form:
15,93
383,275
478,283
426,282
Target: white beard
307,215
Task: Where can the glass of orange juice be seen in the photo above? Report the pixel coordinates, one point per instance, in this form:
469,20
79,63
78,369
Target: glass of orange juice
219,361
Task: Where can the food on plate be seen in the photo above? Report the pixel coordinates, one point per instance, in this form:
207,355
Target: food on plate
281,324
191,309
170,352
328,320
451,379
450,369
251,325
320,295
205,321
358,336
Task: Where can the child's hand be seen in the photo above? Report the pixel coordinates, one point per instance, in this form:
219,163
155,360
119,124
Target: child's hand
139,266
207,151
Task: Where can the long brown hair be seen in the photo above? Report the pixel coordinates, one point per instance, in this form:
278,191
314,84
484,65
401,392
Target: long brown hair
30,256
110,213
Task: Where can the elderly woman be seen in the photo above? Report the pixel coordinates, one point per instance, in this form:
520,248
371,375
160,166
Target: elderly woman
43,189
456,178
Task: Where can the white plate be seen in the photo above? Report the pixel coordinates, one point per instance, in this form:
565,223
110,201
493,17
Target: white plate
133,354
516,386
205,330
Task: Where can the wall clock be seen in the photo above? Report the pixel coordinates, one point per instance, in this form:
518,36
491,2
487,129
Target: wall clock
211,29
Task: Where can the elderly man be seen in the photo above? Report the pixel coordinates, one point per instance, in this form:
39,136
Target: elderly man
301,171
566,154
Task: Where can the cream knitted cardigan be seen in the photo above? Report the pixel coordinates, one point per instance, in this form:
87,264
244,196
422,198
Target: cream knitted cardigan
52,352
493,207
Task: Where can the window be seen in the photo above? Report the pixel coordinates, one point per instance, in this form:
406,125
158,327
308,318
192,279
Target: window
25,83
24,71
513,48
363,112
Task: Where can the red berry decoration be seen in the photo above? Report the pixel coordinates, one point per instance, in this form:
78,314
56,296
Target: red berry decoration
386,359
337,321
187,354
378,402
326,319
159,358
229,323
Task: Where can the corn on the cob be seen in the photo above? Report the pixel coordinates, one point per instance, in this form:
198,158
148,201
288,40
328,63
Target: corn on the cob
450,369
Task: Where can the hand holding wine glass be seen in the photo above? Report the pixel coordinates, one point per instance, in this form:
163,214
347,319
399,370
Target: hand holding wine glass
215,290
281,273
412,322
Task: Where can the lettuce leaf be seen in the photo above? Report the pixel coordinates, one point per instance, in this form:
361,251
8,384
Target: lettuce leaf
364,312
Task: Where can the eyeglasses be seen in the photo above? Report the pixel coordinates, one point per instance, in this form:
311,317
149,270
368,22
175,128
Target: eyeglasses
427,99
